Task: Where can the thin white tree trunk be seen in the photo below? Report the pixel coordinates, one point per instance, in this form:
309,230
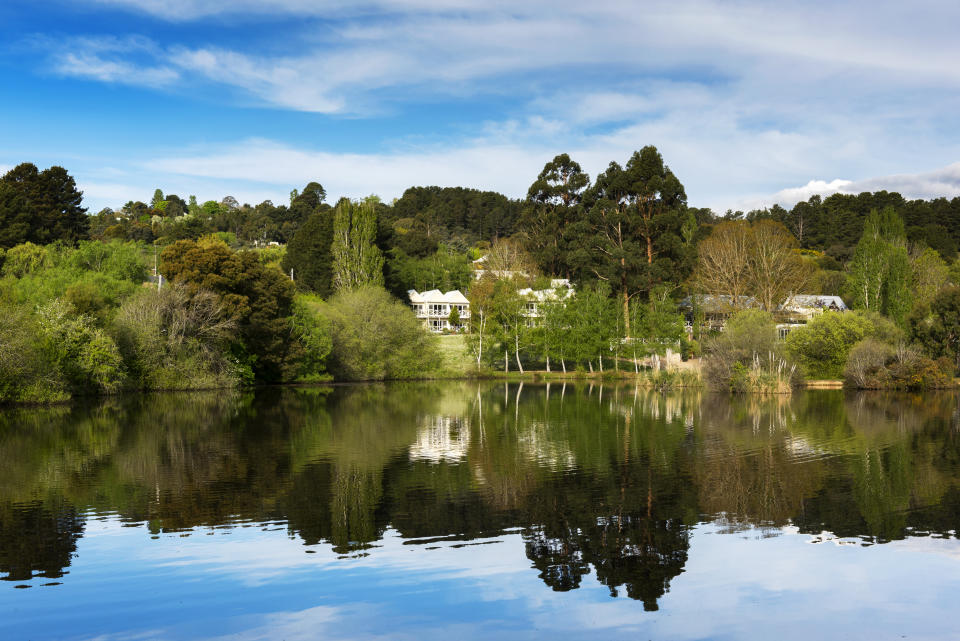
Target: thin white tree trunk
516,347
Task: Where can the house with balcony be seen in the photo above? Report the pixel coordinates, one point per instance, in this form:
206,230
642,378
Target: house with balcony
560,290
433,308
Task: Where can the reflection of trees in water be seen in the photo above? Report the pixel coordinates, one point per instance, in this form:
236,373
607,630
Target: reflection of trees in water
37,540
608,478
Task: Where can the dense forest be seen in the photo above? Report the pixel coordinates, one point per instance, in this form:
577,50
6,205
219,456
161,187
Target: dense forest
277,292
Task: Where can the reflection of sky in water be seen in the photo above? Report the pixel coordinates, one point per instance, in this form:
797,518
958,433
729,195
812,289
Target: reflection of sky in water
256,582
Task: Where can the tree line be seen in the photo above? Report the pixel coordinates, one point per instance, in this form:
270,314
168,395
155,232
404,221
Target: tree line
627,238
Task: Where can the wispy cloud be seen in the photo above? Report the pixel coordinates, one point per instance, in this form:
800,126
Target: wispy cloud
742,98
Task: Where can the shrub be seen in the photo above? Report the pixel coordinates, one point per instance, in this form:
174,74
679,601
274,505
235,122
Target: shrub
376,337
313,332
747,357
83,353
24,259
822,346
175,339
873,364
866,359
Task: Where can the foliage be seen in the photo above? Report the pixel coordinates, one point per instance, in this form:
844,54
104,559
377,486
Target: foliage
26,373
357,261
308,255
40,207
177,338
938,329
755,260
553,204
929,274
258,299
880,270
877,365
94,277
313,331
445,270
747,357
455,216
822,346
360,322
85,356
632,234
24,259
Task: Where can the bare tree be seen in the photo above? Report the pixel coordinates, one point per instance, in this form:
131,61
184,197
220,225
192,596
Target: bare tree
742,259
507,259
777,271
724,266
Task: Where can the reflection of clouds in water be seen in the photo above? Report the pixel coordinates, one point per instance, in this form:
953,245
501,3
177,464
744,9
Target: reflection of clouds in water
444,438
744,586
255,557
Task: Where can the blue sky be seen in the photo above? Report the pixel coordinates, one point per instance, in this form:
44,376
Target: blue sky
749,102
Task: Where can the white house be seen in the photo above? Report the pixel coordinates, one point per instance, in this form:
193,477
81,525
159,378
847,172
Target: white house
560,290
434,307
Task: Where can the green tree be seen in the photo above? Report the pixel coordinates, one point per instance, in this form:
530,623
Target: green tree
357,261
822,346
553,202
880,270
360,319
929,274
632,234
308,255
938,330
258,299
40,207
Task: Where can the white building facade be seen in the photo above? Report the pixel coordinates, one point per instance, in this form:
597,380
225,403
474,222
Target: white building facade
434,307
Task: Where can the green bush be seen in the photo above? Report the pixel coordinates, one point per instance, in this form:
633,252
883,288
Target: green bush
24,259
85,356
175,339
313,332
376,337
821,347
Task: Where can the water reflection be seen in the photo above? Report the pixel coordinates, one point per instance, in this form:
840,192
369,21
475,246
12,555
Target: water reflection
601,480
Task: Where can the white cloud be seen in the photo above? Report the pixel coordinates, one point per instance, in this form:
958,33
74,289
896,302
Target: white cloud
439,47
742,99
943,182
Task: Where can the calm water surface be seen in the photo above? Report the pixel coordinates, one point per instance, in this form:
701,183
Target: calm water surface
490,511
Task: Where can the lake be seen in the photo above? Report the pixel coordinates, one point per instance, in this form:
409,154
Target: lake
457,510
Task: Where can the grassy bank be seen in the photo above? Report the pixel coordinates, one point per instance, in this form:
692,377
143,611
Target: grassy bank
457,363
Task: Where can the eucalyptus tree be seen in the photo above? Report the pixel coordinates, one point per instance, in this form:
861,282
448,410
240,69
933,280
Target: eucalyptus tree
553,203
632,235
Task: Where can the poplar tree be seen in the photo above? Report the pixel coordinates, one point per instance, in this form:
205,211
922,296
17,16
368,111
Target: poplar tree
880,270
357,261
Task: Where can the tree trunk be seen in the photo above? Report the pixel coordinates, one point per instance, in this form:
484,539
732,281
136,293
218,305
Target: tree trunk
480,346
516,346
626,312
590,363
548,363
563,364
506,361
601,363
